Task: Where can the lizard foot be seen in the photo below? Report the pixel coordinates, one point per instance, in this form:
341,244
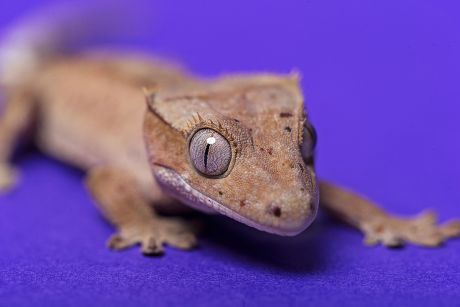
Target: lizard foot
422,230
8,177
152,236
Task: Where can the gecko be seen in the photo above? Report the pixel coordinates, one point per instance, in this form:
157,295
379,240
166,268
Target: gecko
152,137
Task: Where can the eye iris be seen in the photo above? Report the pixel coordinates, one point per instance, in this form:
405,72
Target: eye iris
210,152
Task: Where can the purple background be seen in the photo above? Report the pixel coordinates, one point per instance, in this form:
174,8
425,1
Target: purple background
381,80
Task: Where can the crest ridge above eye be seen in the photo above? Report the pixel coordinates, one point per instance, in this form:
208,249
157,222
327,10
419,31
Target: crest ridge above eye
150,93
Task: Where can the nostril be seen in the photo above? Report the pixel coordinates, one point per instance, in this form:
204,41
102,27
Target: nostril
275,210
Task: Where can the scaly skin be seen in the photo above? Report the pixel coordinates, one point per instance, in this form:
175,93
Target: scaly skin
90,112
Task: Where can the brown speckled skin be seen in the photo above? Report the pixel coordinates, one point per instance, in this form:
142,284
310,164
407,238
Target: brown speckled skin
265,154
90,112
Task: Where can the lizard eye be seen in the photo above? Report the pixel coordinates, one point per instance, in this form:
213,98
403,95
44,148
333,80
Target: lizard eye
210,153
309,143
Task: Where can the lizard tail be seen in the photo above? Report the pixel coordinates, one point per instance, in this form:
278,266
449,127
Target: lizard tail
59,29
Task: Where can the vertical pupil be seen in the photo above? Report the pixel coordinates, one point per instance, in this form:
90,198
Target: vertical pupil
206,152
209,141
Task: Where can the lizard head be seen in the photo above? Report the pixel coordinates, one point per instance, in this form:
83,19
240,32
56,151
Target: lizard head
241,146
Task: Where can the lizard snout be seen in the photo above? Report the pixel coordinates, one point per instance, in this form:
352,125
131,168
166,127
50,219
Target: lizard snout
291,216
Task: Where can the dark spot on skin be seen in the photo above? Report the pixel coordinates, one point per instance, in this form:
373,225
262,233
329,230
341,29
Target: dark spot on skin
291,165
287,129
221,193
302,189
301,167
270,151
272,96
242,203
277,211
236,120
285,114
262,149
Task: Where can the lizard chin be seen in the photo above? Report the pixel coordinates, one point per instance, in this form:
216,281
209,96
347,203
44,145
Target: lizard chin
178,188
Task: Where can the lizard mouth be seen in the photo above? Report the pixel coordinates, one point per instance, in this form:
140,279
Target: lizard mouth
178,188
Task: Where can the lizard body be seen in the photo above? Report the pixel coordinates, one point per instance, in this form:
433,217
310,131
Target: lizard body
99,98
239,145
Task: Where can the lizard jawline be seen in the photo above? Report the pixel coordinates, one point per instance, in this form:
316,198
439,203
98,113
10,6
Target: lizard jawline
181,190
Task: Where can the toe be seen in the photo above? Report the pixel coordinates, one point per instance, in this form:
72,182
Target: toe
370,240
450,229
8,177
426,218
118,242
391,239
151,246
421,230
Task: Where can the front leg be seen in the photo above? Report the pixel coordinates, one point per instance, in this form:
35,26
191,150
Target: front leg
124,205
378,226
17,116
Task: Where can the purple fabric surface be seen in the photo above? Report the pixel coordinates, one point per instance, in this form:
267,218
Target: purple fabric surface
381,81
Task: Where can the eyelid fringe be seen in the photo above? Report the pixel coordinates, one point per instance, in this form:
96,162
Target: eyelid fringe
197,122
